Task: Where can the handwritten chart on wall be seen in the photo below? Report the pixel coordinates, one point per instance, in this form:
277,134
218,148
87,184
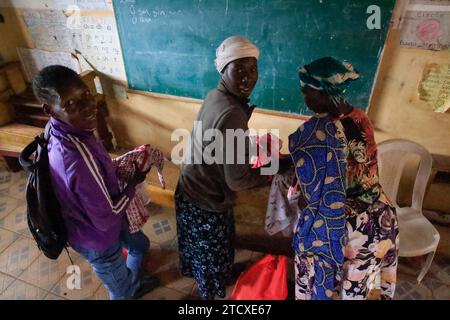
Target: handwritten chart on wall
33,60
95,36
169,45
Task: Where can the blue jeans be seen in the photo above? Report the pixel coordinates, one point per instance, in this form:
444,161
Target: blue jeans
137,245
120,277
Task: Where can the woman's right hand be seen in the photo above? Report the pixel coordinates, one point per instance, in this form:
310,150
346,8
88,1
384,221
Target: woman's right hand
138,176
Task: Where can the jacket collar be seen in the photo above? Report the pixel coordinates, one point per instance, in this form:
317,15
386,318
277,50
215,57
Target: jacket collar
62,129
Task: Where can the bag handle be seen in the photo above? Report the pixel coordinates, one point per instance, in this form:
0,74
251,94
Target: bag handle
24,158
47,128
27,152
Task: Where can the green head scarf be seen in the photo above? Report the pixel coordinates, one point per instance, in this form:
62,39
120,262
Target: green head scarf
329,75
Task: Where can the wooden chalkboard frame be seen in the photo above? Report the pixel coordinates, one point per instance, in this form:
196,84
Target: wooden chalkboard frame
200,101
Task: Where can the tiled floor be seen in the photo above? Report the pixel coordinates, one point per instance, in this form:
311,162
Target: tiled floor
25,273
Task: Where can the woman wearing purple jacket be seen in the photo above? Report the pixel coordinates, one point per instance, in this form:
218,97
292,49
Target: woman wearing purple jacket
85,183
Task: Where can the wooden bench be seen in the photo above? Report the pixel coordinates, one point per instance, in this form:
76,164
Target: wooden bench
15,136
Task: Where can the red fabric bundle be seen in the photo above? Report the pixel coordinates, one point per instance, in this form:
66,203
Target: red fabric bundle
264,147
264,280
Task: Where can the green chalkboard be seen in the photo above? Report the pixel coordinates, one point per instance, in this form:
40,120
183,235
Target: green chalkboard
169,45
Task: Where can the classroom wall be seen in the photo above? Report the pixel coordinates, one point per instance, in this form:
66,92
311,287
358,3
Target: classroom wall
143,118
395,108
397,112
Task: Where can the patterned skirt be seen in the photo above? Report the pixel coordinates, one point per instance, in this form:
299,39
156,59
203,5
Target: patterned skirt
371,253
206,247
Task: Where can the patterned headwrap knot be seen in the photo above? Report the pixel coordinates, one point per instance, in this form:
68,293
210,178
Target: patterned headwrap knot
329,75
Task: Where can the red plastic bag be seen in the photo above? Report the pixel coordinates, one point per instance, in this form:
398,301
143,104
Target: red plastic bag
264,280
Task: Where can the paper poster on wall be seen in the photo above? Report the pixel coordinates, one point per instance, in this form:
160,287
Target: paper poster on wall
99,43
428,2
92,5
33,60
426,25
48,29
95,36
89,5
435,87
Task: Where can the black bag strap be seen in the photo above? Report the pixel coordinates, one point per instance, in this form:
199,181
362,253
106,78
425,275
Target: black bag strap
70,258
40,140
27,152
48,126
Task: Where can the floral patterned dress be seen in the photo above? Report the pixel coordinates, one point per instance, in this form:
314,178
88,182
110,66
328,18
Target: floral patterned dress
205,245
371,245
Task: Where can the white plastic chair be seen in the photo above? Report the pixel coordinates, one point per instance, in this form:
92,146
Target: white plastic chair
417,235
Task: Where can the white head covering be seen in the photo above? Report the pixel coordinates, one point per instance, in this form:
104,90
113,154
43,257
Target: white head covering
233,48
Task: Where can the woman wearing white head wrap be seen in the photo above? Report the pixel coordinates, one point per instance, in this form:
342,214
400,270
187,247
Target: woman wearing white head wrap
233,48
205,193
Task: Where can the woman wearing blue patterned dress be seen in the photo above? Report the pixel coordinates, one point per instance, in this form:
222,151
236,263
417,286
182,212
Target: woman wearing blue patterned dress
347,232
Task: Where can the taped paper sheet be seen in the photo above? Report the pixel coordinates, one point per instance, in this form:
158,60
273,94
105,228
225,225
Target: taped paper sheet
426,25
435,87
95,36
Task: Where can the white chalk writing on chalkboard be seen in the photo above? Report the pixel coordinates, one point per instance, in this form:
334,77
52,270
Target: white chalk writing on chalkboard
96,37
145,15
169,45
